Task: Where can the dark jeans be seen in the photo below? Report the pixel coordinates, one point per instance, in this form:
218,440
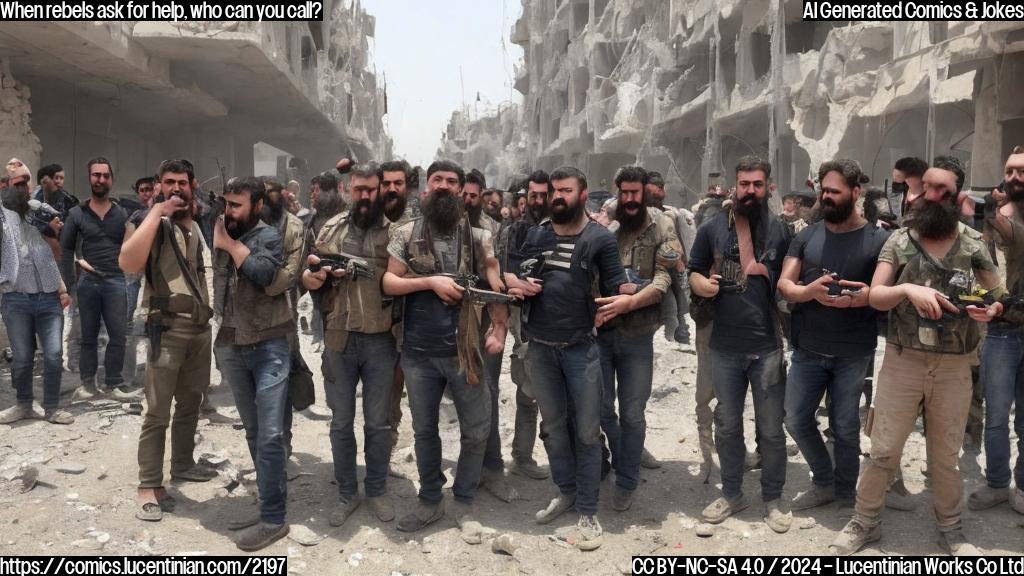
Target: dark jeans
1002,372
131,359
26,317
627,368
810,376
564,378
731,374
426,378
492,376
258,376
369,358
103,299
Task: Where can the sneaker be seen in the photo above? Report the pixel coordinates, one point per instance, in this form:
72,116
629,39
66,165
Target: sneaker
424,515
899,498
778,516
587,534
647,460
382,507
622,499
87,391
56,416
816,496
529,469
472,531
682,334
260,536
494,481
722,508
1018,501
954,543
343,509
20,411
558,505
987,497
120,393
855,535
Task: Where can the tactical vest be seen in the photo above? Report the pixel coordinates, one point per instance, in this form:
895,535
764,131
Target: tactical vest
167,293
949,335
640,256
355,304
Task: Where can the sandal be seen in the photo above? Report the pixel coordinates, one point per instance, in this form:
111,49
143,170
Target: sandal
196,473
722,508
150,512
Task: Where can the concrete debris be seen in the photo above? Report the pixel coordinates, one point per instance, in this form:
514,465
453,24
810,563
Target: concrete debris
504,544
705,530
661,392
355,559
70,468
303,535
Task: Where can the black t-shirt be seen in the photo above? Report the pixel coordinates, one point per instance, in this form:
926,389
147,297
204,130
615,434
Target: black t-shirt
564,311
430,324
745,321
840,332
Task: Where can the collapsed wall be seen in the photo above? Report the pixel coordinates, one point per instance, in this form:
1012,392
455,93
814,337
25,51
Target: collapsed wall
687,87
16,136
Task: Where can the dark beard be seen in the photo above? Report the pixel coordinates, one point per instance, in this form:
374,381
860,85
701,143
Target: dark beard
100,190
474,215
495,213
395,212
329,204
835,213
933,220
16,198
656,203
443,211
569,214
240,228
537,212
366,219
1015,191
749,207
630,223
272,213
185,211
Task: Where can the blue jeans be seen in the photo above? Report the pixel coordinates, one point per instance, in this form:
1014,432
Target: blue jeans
627,368
564,378
1002,374
258,376
371,359
26,317
103,299
731,373
810,376
426,378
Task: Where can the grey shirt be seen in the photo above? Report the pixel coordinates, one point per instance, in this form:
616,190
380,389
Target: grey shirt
37,270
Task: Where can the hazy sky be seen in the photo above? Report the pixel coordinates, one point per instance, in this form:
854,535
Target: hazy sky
419,47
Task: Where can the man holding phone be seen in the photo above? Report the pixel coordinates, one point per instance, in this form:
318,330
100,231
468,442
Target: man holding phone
825,275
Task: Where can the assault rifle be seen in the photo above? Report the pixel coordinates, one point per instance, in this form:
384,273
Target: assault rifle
353,266
479,295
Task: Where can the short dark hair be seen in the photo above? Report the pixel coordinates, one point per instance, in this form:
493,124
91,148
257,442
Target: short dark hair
751,163
327,181
143,180
447,166
176,167
656,178
911,167
395,166
50,170
99,160
849,170
630,174
500,193
366,170
272,184
314,180
566,172
952,164
476,177
250,184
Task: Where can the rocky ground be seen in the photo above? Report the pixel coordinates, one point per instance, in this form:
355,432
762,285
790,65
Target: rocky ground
70,490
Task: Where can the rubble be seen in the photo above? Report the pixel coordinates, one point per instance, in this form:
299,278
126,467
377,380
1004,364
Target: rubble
70,468
303,535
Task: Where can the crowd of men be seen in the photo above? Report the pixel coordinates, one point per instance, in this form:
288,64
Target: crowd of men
415,292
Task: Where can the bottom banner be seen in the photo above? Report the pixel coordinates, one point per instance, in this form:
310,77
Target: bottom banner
814,565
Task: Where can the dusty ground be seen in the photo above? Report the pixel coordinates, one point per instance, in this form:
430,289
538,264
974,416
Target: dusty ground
92,512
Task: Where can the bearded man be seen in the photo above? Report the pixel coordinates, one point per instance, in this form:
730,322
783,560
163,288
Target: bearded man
927,362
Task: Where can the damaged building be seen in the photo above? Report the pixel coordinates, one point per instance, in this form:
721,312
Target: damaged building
141,92
687,87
